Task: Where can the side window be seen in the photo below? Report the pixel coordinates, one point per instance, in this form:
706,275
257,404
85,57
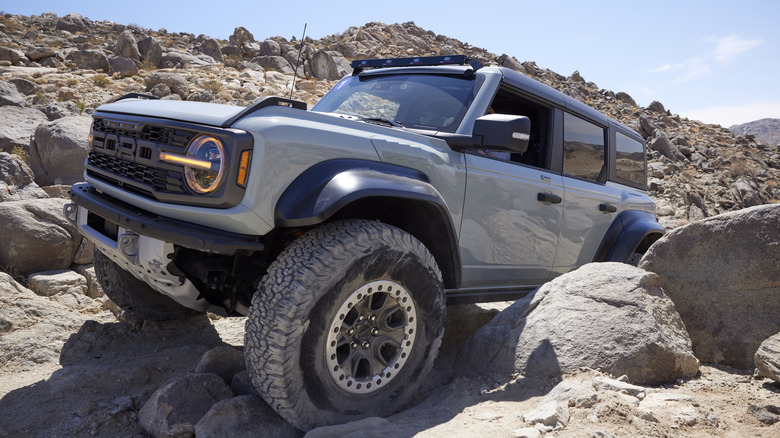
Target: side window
583,148
508,101
629,159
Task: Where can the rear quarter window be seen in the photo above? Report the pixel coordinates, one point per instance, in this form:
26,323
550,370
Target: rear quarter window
629,159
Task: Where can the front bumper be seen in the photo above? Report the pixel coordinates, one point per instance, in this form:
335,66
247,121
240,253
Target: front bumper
142,222
143,244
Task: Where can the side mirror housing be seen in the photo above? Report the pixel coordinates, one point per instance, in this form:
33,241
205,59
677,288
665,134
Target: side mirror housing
503,132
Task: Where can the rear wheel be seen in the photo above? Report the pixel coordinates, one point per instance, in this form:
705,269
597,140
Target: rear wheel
346,324
133,295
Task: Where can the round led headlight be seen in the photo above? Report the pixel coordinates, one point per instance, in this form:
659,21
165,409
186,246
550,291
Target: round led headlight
205,172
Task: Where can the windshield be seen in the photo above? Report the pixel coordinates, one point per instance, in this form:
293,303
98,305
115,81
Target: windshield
420,101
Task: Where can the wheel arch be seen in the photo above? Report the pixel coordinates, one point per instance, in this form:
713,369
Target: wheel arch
632,231
358,189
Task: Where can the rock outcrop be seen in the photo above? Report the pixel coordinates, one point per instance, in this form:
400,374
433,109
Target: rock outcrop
609,317
722,274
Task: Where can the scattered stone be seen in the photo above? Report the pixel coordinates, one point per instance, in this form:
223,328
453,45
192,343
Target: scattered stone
33,328
367,427
767,358
16,180
50,283
244,416
176,408
768,414
222,361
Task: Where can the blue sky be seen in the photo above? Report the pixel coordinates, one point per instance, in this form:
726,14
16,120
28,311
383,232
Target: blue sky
715,61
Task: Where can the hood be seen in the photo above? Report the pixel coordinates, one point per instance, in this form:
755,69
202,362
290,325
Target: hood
185,111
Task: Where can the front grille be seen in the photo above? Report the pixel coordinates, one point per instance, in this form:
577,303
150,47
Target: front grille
155,134
123,154
158,179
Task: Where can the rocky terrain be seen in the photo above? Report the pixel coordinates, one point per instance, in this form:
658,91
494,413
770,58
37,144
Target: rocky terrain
766,130
697,328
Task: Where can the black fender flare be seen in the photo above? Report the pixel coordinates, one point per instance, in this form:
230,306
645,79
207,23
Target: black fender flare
627,232
326,188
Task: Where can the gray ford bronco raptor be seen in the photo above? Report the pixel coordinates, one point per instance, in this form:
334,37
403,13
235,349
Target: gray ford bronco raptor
342,231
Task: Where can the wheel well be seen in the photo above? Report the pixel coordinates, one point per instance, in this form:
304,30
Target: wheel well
645,244
421,219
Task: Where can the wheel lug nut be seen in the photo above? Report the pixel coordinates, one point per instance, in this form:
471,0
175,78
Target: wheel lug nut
351,331
372,318
361,318
366,344
353,345
374,332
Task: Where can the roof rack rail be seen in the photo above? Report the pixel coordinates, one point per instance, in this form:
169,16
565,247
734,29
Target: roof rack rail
359,65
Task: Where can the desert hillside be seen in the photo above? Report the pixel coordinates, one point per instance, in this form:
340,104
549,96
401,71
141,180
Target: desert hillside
688,344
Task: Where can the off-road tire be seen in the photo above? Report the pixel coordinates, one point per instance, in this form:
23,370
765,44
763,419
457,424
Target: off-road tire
133,295
295,312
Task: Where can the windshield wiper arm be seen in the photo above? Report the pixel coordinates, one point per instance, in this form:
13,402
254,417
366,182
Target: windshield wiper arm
381,121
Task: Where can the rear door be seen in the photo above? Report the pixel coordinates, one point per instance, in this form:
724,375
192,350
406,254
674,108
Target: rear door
590,204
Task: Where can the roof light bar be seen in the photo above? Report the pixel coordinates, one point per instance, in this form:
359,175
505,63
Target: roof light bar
360,64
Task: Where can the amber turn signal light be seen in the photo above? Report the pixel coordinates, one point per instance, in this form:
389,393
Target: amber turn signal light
243,168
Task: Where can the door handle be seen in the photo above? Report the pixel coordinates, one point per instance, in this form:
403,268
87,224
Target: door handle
547,197
609,208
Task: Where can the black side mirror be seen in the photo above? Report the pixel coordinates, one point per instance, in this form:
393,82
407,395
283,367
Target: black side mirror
503,132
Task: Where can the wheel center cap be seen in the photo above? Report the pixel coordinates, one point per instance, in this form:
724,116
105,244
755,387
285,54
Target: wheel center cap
363,332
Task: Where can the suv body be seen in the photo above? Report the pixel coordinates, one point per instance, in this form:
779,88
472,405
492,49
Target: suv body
504,181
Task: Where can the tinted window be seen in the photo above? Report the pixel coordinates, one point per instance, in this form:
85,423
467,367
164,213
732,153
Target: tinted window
629,159
421,101
583,148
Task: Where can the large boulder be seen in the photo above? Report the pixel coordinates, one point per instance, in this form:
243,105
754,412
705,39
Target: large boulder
72,23
610,317
36,236
723,275
767,358
329,65
211,47
16,180
177,83
151,51
89,60
274,63
18,125
58,150
127,47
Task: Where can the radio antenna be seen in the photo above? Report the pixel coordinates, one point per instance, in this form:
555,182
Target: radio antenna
298,61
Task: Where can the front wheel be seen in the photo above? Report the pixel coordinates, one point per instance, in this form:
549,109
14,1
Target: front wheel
346,324
134,296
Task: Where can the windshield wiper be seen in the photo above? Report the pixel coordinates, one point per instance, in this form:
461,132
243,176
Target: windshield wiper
381,121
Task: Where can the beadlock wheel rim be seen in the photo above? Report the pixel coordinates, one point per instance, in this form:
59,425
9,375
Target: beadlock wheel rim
371,337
